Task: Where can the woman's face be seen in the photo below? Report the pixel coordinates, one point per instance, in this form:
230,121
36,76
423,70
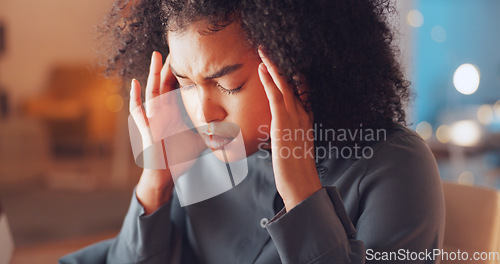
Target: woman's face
220,74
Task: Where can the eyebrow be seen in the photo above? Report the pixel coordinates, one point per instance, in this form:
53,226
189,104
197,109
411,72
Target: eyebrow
224,71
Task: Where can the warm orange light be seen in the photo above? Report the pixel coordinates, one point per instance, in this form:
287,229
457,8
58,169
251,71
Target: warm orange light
114,103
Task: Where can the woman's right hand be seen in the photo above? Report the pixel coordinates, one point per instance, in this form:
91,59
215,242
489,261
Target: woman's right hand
163,132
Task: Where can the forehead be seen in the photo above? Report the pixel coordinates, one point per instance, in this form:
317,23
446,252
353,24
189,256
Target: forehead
194,52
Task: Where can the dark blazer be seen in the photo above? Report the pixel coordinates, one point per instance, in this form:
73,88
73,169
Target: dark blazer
391,201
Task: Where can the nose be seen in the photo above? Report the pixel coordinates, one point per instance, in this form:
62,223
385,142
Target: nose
209,108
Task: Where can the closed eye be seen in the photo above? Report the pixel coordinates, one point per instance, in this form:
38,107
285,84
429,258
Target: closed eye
187,87
224,90
229,91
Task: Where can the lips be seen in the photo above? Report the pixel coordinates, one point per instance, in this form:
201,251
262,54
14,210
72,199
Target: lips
216,142
216,135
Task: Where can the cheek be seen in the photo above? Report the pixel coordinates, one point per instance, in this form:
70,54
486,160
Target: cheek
254,110
191,102
258,101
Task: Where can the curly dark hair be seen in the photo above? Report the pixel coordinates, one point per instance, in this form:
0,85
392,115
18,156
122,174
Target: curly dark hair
343,48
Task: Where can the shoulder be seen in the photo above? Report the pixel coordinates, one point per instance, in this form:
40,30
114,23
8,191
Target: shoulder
401,163
401,146
399,194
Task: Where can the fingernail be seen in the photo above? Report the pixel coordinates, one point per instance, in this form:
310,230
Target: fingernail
153,54
261,54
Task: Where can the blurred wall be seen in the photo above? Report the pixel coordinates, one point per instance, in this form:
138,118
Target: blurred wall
455,32
41,34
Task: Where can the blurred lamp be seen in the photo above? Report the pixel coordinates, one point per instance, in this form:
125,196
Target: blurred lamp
415,18
443,134
465,133
424,129
485,114
466,79
496,108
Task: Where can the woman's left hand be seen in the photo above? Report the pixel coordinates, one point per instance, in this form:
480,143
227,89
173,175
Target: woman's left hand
292,142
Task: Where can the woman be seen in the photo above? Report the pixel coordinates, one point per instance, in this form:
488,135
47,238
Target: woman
369,192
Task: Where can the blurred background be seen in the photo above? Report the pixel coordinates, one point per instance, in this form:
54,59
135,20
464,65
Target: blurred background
66,169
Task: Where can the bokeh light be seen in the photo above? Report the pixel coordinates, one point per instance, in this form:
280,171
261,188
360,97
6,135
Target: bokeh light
424,129
443,134
415,18
438,34
114,103
496,108
485,114
466,78
465,133
466,177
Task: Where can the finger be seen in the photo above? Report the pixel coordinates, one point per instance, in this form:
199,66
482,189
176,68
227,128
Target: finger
282,84
153,85
138,114
274,95
304,115
140,138
135,106
135,95
168,79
